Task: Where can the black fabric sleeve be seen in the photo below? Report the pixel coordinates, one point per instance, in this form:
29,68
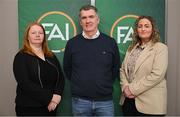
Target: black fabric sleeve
116,61
67,62
60,81
29,88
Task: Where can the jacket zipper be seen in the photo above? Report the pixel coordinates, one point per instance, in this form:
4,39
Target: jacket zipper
39,74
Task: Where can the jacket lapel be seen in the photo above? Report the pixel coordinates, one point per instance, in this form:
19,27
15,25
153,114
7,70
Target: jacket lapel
143,56
125,63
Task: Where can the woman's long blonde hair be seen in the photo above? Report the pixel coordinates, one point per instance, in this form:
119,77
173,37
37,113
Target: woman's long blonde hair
26,46
155,36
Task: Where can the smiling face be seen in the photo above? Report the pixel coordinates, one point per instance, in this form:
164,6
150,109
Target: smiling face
89,21
36,35
144,29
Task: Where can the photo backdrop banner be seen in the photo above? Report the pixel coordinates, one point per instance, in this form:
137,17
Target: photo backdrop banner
117,20
60,20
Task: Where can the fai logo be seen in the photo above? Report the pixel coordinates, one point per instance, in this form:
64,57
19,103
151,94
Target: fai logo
59,29
122,31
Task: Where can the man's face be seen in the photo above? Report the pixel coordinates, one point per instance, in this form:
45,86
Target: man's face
89,21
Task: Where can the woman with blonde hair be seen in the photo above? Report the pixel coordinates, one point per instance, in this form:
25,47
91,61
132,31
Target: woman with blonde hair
143,72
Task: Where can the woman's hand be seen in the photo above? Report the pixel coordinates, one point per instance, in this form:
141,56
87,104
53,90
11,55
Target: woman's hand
54,102
56,98
52,106
127,92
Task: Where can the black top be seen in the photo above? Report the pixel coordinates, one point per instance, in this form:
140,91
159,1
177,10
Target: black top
91,65
37,80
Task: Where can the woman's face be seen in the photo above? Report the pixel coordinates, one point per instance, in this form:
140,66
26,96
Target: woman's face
36,35
144,29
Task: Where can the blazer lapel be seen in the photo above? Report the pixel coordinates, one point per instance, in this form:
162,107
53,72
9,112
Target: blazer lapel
143,56
125,63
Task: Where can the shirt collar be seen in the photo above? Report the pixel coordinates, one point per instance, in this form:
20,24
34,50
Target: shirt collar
145,45
93,37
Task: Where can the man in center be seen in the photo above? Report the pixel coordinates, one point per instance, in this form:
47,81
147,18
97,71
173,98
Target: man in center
91,63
